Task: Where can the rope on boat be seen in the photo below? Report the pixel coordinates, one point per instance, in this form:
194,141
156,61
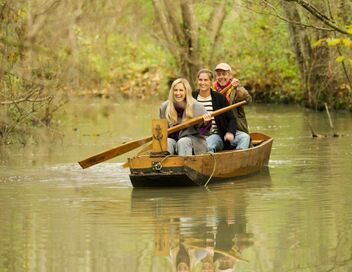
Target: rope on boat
158,136
214,167
158,166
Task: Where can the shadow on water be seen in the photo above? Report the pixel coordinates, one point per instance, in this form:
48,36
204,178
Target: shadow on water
258,180
200,228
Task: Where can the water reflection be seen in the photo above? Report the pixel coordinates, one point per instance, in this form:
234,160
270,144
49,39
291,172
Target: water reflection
199,229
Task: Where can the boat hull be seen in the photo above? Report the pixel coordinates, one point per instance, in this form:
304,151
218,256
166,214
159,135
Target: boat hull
198,170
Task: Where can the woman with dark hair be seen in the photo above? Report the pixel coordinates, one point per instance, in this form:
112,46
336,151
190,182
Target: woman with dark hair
223,130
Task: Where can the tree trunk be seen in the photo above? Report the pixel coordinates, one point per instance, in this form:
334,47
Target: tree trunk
161,16
180,31
190,61
215,23
73,47
300,44
344,10
313,62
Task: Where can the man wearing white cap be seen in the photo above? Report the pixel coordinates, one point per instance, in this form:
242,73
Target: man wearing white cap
230,87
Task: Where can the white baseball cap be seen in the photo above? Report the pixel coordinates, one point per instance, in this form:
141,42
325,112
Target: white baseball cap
223,66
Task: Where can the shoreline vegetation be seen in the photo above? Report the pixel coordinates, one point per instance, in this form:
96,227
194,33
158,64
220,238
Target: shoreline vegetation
290,51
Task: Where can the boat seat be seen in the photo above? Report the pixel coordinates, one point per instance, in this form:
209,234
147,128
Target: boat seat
257,142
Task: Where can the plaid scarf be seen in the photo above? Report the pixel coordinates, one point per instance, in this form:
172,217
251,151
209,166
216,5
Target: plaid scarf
225,90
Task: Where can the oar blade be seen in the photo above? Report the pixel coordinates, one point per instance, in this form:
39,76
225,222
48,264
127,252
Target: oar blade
111,153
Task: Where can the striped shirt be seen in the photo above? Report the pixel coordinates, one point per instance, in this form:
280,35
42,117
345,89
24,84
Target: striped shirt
208,105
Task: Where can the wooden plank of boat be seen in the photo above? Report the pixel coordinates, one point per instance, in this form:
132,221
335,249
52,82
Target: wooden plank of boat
149,171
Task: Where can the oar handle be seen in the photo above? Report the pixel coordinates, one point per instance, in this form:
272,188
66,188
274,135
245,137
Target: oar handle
198,119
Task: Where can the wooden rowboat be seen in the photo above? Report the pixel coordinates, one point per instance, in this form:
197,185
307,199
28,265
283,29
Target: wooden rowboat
161,171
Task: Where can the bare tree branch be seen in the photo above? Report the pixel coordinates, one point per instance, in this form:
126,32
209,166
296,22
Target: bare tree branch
165,28
175,23
344,10
278,15
322,17
215,23
216,20
27,98
191,36
190,24
296,34
49,7
38,19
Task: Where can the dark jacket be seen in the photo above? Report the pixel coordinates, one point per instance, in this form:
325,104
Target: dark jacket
225,122
237,96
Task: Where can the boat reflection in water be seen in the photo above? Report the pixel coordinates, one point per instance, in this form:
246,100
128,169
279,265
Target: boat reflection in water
199,229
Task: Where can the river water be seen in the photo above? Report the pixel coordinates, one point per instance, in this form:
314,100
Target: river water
295,215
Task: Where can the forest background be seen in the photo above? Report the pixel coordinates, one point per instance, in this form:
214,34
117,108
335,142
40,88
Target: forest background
284,51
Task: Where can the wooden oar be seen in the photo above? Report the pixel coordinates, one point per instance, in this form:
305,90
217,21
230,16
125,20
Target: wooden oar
124,148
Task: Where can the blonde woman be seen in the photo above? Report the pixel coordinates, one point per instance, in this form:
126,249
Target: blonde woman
180,107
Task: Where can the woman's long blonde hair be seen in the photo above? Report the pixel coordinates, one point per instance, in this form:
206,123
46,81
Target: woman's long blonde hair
171,114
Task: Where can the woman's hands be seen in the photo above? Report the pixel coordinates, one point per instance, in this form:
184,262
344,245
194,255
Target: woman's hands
206,117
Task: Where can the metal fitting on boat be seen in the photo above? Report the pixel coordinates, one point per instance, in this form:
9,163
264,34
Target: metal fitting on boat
157,166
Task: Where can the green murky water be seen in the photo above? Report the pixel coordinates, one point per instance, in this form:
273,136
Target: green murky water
294,216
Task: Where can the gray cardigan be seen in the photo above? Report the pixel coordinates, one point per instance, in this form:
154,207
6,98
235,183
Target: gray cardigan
198,141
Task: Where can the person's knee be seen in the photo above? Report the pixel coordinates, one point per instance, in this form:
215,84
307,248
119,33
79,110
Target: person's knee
171,146
171,150
184,146
211,148
214,143
243,141
246,139
184,142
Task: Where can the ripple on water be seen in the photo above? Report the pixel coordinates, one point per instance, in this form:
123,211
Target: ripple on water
71,172
101,173
290,163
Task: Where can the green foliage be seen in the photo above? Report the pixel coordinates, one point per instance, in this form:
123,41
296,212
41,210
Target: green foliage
344,42
26,77
116,58
259,51
349,29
